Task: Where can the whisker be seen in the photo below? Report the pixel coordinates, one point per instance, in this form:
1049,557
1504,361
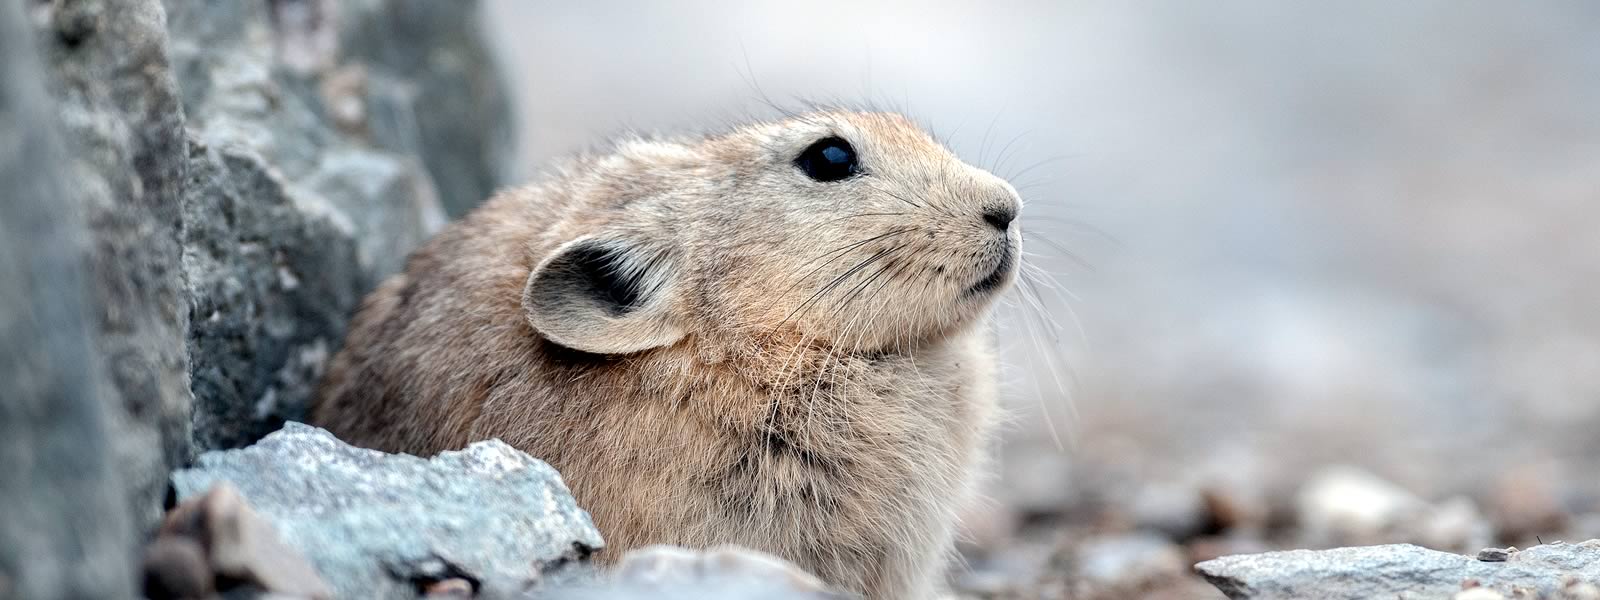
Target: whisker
835,283
1028,169
840,252
850,296
1054,245
1040,316
1000,160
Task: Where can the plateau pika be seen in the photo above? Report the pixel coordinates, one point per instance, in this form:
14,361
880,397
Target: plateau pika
772,337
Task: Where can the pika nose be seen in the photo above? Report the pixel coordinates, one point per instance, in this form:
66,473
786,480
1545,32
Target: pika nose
1000,216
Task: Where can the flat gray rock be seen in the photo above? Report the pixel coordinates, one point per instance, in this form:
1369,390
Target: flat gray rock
1399,571
375,524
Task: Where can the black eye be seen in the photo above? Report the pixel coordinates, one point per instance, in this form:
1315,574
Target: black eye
829,159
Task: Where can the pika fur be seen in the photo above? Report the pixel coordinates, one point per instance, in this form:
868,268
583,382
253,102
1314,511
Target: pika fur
772,337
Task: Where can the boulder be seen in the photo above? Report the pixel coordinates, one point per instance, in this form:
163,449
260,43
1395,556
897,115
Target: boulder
291,211
433,91
379,525
106,64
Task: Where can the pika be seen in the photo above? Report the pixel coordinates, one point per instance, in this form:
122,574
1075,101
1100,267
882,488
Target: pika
773,337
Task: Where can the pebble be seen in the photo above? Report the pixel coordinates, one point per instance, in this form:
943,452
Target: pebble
1127,562
218,533
1344,505
1496,554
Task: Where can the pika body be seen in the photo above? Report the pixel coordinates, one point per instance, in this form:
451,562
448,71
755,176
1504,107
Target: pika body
773,337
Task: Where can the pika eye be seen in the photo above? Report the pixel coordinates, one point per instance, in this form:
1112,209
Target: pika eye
829,159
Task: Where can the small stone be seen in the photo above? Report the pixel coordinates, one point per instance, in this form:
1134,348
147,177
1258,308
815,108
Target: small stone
1172,509
1230,508
1128,561
1455,524
1525,501
239,544
1344,505
1495,554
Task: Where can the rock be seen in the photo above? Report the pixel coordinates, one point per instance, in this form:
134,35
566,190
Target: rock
239,546
1401,571
1174,510
382,525
1526,501
728,572
289,215
114,92
1343,505
1231,508
66,532
1129,560
433,91
271,288
1002,569
1496,554
1455,524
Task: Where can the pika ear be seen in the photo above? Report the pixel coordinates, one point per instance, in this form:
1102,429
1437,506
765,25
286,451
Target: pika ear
604,296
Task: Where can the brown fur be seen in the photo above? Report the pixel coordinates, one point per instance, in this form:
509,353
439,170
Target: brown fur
838,427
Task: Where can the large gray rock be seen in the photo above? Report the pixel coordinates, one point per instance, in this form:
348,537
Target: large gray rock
65,533
1400,571
376,524
434,91
307,188
271,287
114,94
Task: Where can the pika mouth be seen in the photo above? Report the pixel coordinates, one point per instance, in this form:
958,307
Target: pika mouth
996,277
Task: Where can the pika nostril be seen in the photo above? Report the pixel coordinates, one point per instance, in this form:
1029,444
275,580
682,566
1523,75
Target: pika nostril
1000,216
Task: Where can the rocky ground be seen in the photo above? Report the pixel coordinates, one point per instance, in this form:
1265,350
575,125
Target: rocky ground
324,519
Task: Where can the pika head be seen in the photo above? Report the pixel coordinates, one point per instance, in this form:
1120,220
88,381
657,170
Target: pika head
854,231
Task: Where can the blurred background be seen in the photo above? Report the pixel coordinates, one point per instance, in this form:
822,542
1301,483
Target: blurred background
1308,274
